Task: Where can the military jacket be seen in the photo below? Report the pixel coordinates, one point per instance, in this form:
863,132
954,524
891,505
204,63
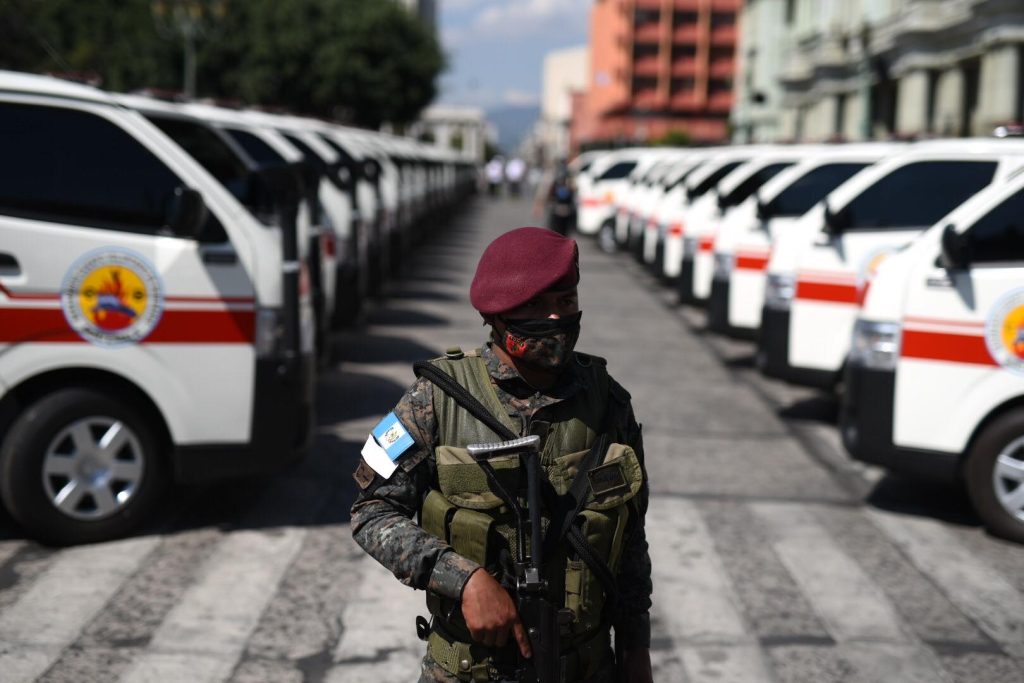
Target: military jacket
382,515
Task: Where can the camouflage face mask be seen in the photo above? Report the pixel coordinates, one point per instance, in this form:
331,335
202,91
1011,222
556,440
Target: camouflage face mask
544,343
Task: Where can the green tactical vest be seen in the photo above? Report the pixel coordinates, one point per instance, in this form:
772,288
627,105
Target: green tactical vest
469,516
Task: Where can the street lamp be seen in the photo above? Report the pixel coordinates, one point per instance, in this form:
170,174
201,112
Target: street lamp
188,20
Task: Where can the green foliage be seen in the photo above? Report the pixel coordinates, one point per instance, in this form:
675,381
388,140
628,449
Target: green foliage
365,61
673,138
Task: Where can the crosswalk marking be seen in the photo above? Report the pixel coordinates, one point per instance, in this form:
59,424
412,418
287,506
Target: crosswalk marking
379,643
694,600
204,635
848,601
35,629
978,590
858,615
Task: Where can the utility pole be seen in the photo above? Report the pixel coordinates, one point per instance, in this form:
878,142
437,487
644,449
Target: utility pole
188,20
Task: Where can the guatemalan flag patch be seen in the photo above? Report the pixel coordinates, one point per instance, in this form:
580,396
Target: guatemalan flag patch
388,440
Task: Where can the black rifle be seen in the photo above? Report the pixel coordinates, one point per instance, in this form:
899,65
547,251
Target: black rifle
538,613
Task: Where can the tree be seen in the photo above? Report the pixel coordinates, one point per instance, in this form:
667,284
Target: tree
367,61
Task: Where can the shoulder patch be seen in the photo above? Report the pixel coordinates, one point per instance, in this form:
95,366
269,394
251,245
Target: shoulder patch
388,440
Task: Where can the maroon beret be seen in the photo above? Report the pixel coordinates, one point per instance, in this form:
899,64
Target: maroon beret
521,264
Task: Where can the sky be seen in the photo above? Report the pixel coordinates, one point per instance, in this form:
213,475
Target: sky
496,48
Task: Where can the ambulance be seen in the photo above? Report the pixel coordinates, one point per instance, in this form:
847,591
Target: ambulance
672,193
935,375
817,279
596,200
632,217
151,327
742,247
667,229
696,187
719,204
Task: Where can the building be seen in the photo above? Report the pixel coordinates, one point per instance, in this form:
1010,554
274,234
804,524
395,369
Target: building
871,69
565,72
658,66
426,10
450,127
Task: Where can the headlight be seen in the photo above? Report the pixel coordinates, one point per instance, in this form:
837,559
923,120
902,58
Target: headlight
690,247
723,266
269,332
876,345
779,292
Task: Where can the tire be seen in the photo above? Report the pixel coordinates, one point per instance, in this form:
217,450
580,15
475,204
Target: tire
994,474
606,238
49,453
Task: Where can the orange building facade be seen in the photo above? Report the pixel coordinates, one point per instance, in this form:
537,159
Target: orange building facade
657,66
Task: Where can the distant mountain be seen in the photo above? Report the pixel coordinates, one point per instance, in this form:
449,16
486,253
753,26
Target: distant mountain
513,124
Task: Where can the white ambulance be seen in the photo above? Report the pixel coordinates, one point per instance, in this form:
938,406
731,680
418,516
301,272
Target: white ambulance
668,227
596,199
630,223
697,186
816,284
151,328
742,247
935,376
720,203
673,192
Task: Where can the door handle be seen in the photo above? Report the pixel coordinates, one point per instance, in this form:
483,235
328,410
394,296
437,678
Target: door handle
9,265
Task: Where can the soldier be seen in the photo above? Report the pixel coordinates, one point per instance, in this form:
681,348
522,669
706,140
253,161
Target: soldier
462,549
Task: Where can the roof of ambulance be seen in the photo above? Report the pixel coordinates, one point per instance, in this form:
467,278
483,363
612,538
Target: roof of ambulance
48,85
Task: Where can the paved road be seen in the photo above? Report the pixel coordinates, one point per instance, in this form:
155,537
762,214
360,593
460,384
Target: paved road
776,558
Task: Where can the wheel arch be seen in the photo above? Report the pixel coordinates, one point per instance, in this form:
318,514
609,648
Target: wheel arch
1011,405
22,395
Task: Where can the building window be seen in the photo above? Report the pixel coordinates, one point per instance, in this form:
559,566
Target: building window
790,11
722,19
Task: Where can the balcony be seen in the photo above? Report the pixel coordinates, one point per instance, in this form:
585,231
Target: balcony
685,67
647,33
723,35
686,6
720,101
647,66
725,5
723,68
685,34
647,99
685,101
648,5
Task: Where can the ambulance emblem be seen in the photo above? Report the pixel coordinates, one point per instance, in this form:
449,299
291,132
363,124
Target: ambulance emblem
112,298
868,268
1004,332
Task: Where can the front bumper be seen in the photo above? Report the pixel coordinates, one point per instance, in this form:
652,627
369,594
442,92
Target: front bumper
282,427
866,426
773,353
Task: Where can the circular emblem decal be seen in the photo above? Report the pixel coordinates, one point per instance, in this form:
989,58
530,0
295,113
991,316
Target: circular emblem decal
870,263
111,298
1004,332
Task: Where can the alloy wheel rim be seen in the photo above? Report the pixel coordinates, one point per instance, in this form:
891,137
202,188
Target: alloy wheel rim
1008,478
93,468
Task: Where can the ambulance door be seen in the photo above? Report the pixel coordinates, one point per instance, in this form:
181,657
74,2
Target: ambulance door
836,267
963,338
109,262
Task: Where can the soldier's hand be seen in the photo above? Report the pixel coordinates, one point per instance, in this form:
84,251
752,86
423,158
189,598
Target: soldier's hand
490,613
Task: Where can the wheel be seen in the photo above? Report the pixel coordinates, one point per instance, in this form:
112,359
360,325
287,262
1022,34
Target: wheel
606,238
79,466
994,475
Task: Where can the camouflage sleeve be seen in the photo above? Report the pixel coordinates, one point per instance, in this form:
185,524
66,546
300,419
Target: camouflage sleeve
632,621
382,515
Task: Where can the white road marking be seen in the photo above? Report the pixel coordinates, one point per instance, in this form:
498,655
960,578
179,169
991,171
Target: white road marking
203,637
62,601
977,590
694,599
855,611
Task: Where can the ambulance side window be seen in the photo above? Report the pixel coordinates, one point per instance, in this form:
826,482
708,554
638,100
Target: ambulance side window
999,235
69,166
619,170
811,188
918,194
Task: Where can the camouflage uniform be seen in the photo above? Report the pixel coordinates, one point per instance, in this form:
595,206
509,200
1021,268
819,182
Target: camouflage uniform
382,515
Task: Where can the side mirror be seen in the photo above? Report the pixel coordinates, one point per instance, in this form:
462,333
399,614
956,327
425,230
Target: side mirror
186,214
721,201
836,221
764,211
954,249
691,194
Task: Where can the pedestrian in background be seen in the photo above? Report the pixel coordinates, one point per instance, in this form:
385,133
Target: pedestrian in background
556,197
515,173
495,172
528,377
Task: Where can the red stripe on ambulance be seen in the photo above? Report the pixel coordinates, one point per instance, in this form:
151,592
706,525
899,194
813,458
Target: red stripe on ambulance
955,348
23,325
833,292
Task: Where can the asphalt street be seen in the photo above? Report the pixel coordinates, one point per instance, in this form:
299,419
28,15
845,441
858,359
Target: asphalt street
775,557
